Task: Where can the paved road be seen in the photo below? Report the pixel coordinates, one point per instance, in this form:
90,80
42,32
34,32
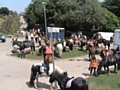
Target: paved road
15,72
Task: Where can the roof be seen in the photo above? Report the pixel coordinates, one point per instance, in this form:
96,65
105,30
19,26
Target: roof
55,29
106,35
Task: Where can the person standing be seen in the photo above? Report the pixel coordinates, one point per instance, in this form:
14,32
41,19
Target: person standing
32,36
26,36
93,66
22,50
64,45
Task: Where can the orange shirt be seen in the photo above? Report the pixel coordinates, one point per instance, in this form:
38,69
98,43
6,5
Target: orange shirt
94,63
48,50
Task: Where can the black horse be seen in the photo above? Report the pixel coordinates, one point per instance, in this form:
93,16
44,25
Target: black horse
25,44
67,83
109,61
70,45
43,70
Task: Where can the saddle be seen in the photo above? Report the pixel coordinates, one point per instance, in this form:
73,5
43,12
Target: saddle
117,56
110,59
26,43
44,68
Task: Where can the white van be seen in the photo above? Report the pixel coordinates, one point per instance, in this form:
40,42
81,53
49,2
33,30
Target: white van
116,40
105,35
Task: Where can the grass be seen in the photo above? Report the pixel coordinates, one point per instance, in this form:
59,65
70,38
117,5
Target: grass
1,20
67,54
104,82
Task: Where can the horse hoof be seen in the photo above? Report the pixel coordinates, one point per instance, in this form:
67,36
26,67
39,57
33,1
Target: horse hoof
35,87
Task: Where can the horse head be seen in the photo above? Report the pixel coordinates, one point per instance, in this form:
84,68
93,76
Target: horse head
57,76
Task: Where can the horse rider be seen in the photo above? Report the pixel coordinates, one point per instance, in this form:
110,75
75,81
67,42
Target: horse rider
47,55
93,65
91,42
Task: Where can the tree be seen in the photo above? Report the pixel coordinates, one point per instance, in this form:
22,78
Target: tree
71,14
112,21
34,13
113,6
11,24
4,11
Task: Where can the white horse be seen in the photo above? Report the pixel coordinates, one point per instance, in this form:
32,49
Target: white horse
40,69
59,48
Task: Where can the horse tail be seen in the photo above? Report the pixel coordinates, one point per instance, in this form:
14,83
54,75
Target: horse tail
31,75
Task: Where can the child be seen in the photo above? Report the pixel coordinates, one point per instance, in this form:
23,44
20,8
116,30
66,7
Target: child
93,65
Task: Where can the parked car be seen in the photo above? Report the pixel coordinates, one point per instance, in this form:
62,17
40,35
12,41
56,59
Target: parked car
2,38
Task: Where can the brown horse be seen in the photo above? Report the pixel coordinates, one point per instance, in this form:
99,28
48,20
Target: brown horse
82,42
92,49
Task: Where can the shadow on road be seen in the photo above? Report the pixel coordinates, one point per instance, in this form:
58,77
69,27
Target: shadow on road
41,85
86,74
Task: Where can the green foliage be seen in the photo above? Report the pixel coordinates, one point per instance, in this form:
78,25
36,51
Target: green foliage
1,20
34,13
4,11
71,14
112,21
11,24
113,6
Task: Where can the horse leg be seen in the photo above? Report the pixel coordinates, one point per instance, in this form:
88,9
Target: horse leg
56,86
31,78
118,68
81,46
51,86
105,69
115,68
108,70
36,83
89,55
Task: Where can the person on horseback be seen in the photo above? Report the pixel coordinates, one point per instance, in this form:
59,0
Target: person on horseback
93,65
47,56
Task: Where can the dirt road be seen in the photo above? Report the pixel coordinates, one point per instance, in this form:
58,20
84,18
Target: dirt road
15,72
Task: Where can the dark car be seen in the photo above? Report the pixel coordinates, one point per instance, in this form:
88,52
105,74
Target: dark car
2,38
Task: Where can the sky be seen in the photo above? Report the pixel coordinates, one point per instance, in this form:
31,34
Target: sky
17,5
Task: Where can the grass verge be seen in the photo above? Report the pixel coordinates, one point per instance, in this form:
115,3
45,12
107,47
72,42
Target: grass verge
104,82
67,54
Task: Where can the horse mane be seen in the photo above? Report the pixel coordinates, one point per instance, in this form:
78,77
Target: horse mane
57,69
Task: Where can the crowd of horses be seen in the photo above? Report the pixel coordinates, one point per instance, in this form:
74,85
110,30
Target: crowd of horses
94,45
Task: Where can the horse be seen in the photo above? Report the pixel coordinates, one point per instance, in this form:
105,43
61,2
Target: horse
82,42
58,46
111,59
43,70
67,83
91,50
25,44
70,43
